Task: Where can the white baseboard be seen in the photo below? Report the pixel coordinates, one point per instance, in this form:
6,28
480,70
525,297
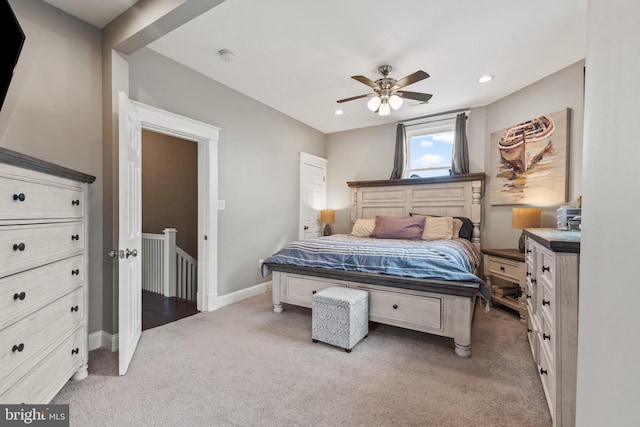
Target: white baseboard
245,293
102,339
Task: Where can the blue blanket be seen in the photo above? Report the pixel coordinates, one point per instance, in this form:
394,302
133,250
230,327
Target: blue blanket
454,259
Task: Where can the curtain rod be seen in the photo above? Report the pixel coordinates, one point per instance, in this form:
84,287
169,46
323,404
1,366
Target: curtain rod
460,110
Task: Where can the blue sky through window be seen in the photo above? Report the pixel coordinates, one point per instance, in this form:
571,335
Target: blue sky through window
431,151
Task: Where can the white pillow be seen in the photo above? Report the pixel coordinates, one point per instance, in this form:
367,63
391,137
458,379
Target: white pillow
438,227
363,227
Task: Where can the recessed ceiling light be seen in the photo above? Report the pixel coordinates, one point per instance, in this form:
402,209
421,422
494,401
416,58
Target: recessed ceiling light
485,79
226,55
338,112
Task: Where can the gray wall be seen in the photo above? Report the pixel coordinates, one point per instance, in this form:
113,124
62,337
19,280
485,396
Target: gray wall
258,161
53,110
367,153
563,89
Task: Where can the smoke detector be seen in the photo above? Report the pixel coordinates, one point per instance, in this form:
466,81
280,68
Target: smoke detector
226,55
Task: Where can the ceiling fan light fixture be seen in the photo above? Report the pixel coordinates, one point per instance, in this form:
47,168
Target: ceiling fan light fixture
384,109
374,103
395,102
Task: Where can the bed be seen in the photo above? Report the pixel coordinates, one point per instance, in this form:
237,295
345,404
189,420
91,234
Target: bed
441,304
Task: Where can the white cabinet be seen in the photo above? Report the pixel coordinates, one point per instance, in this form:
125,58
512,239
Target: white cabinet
553,260
43,278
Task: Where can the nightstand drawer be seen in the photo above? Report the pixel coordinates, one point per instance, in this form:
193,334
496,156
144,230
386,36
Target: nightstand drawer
504,267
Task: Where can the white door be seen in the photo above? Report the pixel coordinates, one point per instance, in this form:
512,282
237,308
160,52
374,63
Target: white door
130,233
313,194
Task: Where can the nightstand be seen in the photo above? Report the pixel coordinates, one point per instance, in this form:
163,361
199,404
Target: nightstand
503,267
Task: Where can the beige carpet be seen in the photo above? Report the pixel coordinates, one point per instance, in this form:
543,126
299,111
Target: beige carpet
244,365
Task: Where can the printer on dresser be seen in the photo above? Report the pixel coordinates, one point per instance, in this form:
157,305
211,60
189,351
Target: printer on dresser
553,264
43,277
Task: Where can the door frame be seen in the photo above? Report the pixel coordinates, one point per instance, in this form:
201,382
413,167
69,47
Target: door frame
206,136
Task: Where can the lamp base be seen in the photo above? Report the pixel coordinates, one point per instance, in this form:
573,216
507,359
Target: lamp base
327,231
521,243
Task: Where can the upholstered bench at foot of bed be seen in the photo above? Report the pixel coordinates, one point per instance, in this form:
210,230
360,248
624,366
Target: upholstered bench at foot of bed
340,316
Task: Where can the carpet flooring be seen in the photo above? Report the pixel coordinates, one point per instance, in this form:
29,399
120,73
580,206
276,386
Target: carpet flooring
244,365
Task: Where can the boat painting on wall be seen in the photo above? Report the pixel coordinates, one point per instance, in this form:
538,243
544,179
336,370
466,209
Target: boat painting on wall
529,161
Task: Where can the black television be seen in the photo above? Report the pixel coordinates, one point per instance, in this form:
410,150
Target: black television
11,46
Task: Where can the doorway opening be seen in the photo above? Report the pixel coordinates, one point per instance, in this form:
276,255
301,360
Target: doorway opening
169,228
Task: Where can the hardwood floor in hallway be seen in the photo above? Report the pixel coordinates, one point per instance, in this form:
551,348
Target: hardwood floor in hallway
158,310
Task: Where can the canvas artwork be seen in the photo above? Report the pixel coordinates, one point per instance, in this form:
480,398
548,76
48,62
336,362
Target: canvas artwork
529,161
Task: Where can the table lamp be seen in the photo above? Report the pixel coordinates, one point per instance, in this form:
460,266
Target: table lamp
327,217
525,218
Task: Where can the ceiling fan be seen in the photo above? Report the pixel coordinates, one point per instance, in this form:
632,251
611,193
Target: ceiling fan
386,91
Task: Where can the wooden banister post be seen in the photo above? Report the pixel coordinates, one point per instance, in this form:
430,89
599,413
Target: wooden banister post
169,274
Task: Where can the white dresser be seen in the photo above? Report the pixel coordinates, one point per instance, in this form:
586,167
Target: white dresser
553,264
43,278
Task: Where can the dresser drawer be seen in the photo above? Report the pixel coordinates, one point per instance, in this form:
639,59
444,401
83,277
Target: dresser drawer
28,246
547,267
505,267
23,342
23,293
401,309
548,379
31,198
299,291
41,383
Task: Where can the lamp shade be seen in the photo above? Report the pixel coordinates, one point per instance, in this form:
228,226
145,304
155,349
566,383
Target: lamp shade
526,218
328,216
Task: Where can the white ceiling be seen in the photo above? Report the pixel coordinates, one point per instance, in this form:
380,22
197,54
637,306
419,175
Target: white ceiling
297,56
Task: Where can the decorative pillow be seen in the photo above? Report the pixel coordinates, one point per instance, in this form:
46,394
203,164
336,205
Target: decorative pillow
466,231
438,227
363,227
457,226
398,227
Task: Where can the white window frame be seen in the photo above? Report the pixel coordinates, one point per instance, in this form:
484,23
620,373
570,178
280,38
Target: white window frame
437,125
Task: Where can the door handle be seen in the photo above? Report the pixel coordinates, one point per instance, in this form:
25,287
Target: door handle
133,253
112,253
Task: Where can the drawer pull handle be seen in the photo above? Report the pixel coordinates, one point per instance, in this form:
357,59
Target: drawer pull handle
75,237
75,351
528,251
395,306
313,292
528,274
75,272
19,197
18,347
534,281
528,296
529,330
501,268
21,296
545,268
19,247
74,308
75,203
546,337
546,302
543,371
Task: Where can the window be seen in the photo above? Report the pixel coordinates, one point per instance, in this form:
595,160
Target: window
429,149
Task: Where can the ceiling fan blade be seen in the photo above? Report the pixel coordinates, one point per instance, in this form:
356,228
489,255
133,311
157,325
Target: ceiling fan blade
422,97
367,81
412,78
354,97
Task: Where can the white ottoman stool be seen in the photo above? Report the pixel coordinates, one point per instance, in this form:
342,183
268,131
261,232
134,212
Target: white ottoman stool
340,316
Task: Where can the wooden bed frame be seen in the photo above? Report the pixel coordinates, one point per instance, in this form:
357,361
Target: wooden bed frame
438,307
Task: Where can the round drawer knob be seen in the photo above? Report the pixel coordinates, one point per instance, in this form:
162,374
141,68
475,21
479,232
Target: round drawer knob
313,292
19,296
75,203
19,247
19,197
546,337
75,272
545,302
75,351
75,237
395,306
543,371
18,348
74,308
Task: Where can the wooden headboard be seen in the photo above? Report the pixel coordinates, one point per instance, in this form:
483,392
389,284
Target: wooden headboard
458,195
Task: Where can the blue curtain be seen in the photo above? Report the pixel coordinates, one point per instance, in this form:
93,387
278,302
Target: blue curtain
400,153
460,157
